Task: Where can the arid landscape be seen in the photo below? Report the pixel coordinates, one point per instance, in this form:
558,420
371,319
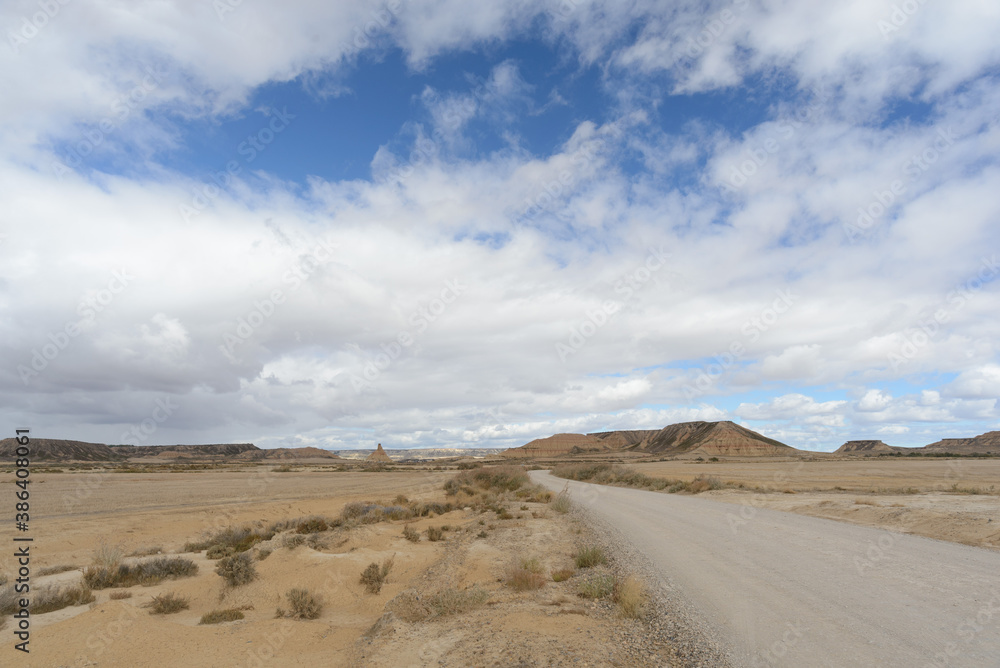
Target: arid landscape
302,556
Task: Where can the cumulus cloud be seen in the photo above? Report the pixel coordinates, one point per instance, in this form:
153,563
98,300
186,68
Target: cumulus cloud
321,313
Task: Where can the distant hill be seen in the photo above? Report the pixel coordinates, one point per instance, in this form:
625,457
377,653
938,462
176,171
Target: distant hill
868,448
57,450
686,438
988,443
286,454
211,451
984,444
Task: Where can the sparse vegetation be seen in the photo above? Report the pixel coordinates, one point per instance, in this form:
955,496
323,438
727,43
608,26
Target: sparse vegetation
263,554
147,551
144,573
434,534
219,616
411,534
292,542
630,595
412,608
562,574
52,570
237,570
588,557
167,604
303,604
596,585
375,576
46,599
624,476
562,504
525,574
119,595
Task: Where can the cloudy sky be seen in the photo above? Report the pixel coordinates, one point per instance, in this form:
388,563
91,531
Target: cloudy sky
442,223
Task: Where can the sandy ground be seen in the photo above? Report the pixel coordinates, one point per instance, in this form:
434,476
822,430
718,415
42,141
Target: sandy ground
792,591
550,626
861,492
856,475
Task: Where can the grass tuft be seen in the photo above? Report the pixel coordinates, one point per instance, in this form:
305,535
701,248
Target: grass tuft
588,557
630,595
219,616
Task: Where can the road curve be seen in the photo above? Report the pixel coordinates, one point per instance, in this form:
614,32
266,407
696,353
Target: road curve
802,592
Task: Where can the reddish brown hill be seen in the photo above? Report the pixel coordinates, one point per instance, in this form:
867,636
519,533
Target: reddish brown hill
379,456
983,444
686,438
868,448
58,450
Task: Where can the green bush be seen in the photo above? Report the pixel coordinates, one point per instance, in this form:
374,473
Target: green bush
588,557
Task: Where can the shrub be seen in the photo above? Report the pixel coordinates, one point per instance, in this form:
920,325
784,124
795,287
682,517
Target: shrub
303,605
375,576
119,595
587,557
703,484
411,534
239,539
144,573
52,570
631,597
596,585
46,599
167,604
562,504
312,525
237,570
107,555
562,574
219,552
219,616
446,602
525,575
263,554
292,542
500,478
482,534
434,534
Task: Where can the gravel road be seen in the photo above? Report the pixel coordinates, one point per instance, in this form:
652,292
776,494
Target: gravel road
788,590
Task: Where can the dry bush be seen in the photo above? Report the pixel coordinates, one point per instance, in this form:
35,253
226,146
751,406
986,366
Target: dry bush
237,539
219,616
303,605
588,557
237,570
525,574
703,484
630,595
434,534
312,524
596,585
107,555
499,478
317,542
144,573
167,604
534,494
411,608
375,576
411,534
292,542
52,570
864,502
46,599
147,551
119,595
563,574
562,504
263,554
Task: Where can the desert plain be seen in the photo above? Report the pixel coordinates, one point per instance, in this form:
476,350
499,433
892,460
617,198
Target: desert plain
449,601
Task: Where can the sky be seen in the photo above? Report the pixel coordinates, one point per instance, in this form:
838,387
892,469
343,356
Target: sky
433,223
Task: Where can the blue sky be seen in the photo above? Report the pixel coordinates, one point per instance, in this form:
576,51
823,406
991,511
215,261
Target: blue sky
479,226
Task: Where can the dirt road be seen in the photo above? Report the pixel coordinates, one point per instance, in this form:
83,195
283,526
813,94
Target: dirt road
789,590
